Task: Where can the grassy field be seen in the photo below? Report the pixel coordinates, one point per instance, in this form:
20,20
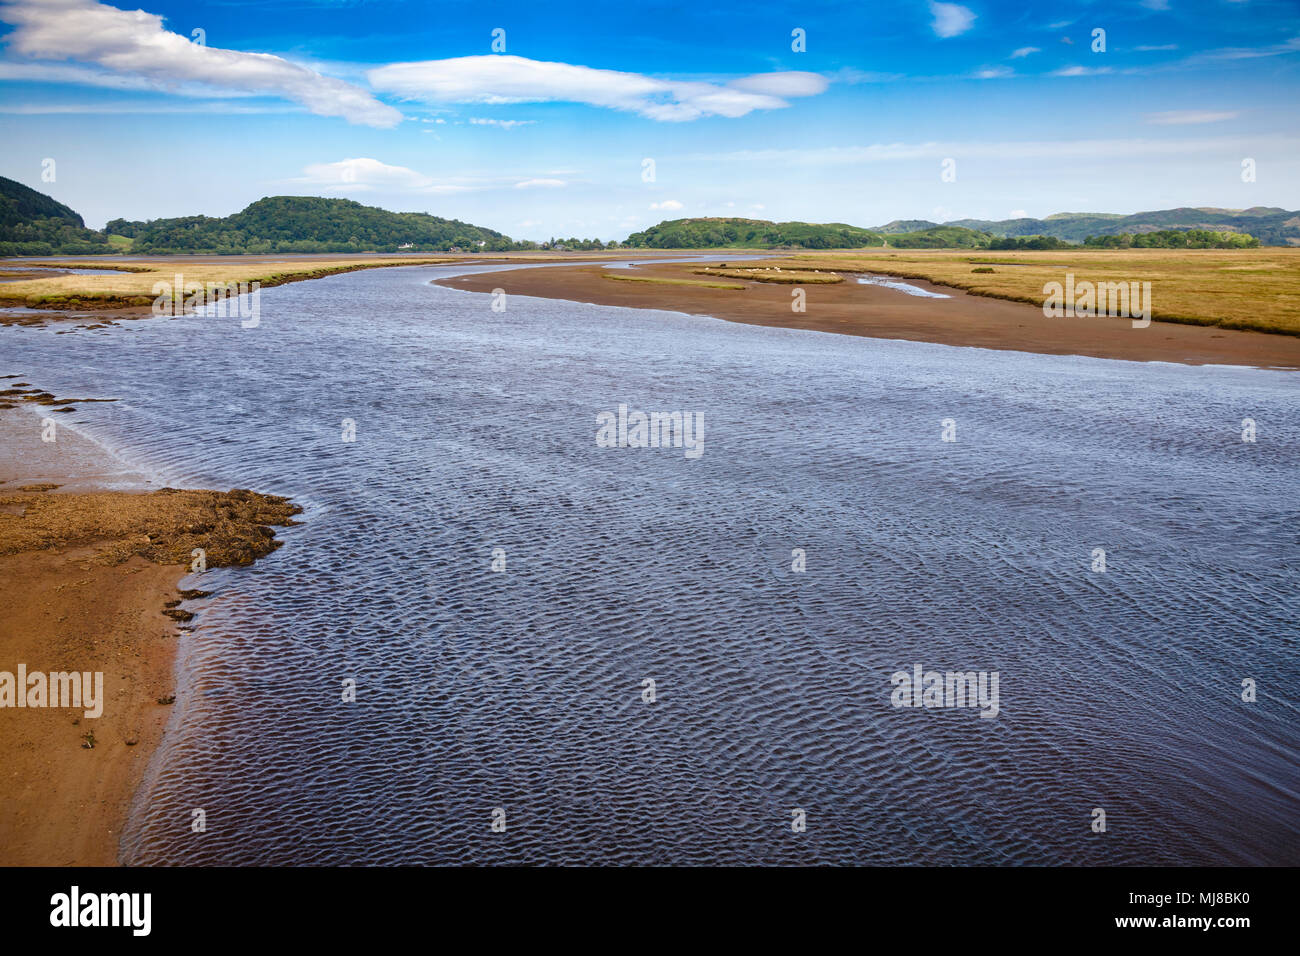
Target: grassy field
702,283
781,275
1256,289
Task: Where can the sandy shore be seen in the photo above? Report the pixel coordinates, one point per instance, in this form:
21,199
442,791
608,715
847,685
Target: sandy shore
852,308
91,585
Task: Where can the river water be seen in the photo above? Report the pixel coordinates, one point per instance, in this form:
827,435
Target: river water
521,694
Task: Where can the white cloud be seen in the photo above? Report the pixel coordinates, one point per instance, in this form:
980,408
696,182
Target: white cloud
994,73
1018,214
367,175
1025,51
668,205
951,19
515,79
135,44
1189,117
791,83
364,173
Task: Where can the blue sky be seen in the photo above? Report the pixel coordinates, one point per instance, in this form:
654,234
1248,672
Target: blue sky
406,105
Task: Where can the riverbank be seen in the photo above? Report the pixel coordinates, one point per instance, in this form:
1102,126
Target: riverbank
853,308
129,289
91,584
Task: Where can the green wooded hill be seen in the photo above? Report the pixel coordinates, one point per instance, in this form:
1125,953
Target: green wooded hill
308,224
751,234
761,234
31,223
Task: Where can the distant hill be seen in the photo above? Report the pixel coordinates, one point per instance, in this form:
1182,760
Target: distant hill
1270,225
751,234
940,237
906,225
31,223
308,224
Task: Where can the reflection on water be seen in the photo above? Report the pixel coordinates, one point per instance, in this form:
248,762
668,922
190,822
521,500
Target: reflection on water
522,689
904,287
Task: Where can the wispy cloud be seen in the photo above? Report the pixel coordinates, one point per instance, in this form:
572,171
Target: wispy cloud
1189,117
994,73
35,72
136,108
951,19
134,44
503,124
1291,45
853,76
1080,71
1024,51
1005,150
668,205
515,79
365,174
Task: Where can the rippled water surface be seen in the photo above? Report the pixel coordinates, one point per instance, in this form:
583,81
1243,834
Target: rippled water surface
522,689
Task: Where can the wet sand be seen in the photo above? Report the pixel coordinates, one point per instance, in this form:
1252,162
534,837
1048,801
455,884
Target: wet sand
853,308
90,583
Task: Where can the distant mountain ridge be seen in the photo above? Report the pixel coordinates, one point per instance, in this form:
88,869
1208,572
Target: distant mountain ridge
1271,225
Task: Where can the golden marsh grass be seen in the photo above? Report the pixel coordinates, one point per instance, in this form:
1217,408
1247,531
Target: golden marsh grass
699,283
1255,289
780,275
